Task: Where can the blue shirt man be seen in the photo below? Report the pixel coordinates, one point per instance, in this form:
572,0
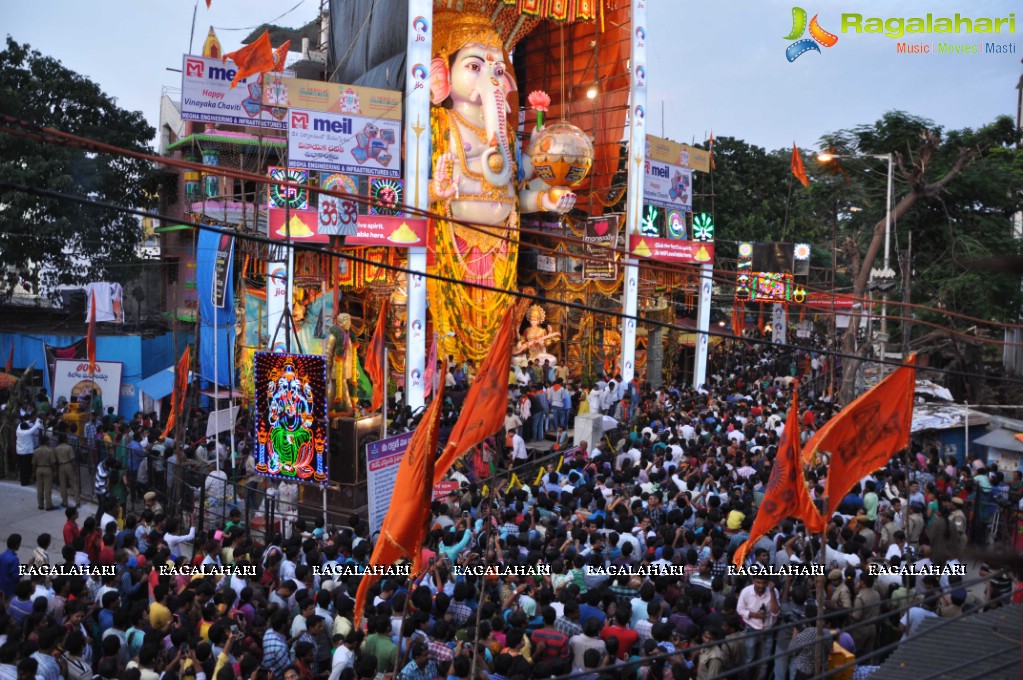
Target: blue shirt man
9,565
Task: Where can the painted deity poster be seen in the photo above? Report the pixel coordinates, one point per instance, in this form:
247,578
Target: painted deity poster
291,417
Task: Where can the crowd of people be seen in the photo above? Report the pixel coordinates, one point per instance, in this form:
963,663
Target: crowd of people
675,488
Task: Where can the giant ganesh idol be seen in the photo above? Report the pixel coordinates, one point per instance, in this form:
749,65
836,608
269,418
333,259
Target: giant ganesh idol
477,180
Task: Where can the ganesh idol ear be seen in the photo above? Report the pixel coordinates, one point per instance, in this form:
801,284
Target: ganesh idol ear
440,81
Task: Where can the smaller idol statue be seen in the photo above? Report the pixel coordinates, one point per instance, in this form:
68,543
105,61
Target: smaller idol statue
343,379
535,338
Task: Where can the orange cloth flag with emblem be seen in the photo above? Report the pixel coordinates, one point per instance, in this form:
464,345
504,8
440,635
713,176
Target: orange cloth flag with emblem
181,371
252,59
90,336
486,404
404,527
797,166
866,434
786,494
375,359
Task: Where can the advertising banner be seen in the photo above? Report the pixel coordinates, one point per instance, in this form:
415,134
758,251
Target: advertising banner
382,460
206,96
669,250
683,155
291,417
222,269
372,230
442,489
601,232
343,142
668,185
316,95
72,380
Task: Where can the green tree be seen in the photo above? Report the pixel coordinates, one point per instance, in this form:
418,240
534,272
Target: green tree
956,192
47,241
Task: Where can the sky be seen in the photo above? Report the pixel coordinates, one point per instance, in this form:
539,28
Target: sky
715,64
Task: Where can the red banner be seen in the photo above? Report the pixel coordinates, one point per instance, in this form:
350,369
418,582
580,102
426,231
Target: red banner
670,250
374,230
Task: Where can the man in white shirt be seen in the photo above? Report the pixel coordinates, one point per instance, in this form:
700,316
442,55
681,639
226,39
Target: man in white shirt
519,453
758,606
344,655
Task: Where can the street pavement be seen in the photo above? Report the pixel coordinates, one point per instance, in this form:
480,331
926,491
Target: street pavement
19,514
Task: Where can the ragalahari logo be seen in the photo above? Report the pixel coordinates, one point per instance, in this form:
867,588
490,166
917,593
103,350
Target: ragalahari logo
803,45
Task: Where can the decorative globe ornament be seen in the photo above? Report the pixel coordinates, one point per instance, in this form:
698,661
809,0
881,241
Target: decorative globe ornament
562,155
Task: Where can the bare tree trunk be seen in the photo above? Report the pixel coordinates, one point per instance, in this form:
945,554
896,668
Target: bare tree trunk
918,190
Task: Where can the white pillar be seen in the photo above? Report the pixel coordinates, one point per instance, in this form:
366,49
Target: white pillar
417,173
703,324
637,151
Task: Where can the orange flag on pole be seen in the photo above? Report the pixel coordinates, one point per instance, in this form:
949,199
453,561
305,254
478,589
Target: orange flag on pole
280,54
786,494
711,148
797,166
252,59
375,359
90,337
10,359
181,371
486,403
404,527
866,433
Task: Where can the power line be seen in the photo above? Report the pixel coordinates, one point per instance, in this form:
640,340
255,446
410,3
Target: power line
308,247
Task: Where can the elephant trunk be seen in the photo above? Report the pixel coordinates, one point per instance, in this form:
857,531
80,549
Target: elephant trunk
497,160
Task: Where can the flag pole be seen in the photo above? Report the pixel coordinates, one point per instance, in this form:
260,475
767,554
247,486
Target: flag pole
822,584
383,413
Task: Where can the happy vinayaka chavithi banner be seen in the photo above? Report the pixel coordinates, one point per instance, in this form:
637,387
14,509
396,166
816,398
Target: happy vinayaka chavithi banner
291,417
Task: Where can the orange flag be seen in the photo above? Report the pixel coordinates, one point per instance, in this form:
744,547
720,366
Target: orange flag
10,359
252,59
866,433
738,317
486,403
786,494
180,388
90,337
404,527
797,166
280,54
711,148
375,359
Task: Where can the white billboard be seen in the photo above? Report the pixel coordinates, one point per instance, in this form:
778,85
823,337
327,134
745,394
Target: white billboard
206,96
668,185
73,379
383,458
341,142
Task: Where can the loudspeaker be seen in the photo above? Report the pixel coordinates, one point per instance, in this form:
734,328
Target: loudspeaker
348,439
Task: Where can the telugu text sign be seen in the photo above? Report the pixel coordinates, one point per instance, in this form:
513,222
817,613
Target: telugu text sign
383,457
73,379
340,142
206,96
669,250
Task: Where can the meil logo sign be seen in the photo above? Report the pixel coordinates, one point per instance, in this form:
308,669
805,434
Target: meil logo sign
218,73
194,68
300,120
339,127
